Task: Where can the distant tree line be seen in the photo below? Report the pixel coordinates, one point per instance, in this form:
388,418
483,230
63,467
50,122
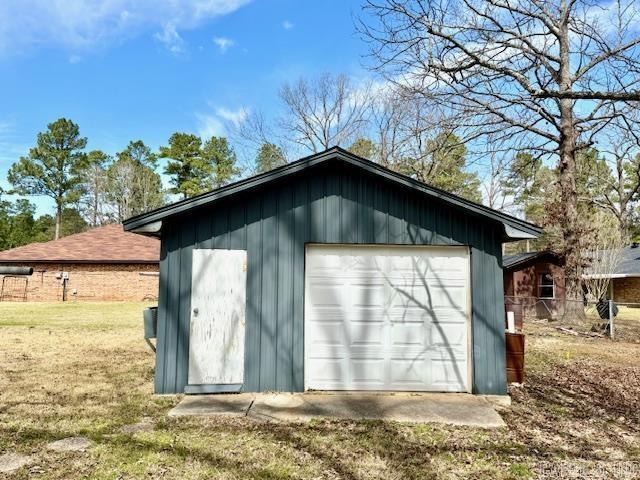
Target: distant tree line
92,188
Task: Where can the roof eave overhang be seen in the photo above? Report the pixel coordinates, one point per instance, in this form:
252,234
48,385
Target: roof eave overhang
152,229
588,276
513,233
545,254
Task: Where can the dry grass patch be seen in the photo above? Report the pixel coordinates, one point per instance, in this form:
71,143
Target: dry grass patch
84,370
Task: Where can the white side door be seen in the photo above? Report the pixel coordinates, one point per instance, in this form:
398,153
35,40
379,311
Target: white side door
218,303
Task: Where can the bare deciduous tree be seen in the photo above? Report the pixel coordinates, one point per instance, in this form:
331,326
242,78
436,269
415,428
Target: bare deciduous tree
93,201
548,75
387,120
324,112
255,132
618,186
604,257
414,138
495,193
132,188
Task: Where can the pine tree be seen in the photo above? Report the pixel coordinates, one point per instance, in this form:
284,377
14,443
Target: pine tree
54,167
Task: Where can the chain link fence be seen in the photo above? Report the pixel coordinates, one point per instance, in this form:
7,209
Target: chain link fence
607,319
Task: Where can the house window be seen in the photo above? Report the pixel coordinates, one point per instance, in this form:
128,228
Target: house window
546,287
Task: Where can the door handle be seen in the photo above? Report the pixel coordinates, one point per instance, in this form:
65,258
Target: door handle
195,311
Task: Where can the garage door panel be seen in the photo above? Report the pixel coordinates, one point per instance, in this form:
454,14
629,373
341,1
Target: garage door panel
363,352
449,352
430,297
444,296
366,314
410,352
325,295
407,372
386,318
328,315
410,315
447,374
371,266
430,267
447,314
327,334
326,370
326,262
367,295
367,333
449,334
369,370
319,351
425,276
409,334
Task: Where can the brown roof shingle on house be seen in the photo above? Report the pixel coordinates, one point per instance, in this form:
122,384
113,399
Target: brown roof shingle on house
108,244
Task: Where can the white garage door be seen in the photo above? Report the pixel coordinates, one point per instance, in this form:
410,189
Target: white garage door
386,318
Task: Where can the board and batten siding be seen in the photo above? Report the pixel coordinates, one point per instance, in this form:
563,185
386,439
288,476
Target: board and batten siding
330,203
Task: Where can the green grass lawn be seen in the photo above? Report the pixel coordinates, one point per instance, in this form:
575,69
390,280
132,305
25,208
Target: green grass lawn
84,369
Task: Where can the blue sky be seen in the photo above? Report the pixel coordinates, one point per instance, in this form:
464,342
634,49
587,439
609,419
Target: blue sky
143,69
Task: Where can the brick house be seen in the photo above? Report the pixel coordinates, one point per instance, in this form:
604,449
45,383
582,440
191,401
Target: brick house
105,263
624,286
533,284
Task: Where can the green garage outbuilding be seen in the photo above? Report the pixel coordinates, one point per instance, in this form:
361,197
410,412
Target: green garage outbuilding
330,273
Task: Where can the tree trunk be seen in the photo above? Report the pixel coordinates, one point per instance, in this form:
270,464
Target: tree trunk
570,225
569,222
58,221
94,222
624,223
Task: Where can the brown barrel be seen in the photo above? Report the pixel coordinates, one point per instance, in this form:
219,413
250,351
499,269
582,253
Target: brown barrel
515,357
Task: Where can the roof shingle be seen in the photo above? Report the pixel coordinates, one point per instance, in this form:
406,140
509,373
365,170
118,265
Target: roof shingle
522,259
108,244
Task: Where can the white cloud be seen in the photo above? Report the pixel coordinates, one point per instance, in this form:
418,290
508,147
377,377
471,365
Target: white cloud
605,16
236,117
217,124
210,126
223,43
287,25
80,25
170,38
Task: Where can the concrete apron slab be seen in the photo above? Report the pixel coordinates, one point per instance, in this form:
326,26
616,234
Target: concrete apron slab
448,408
236,404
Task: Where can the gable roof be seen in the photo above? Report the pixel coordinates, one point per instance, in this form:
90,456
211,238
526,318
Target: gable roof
628,264
108,244
629,261
151,222
520,260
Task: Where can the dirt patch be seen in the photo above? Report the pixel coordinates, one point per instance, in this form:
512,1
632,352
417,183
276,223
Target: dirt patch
582,409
